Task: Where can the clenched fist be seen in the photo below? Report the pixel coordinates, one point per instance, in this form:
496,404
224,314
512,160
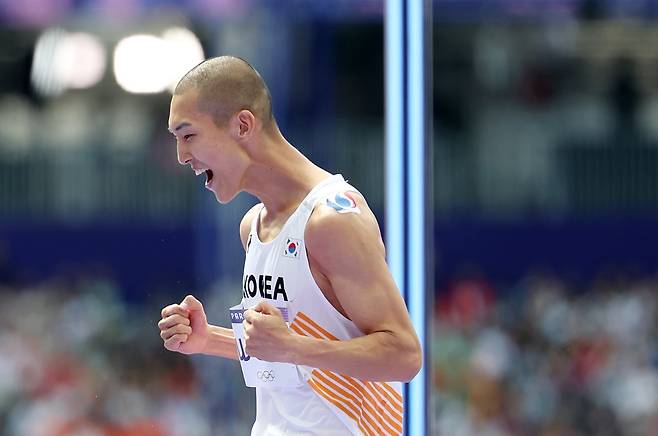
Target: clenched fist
267,336
184,327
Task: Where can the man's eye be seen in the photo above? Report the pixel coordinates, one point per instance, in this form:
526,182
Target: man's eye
187,137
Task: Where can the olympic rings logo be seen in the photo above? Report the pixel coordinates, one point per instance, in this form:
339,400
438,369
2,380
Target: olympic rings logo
266,375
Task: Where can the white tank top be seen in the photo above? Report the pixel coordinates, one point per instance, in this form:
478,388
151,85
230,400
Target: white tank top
327,403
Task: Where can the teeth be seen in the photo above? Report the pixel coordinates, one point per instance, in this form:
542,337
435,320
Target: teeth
199,172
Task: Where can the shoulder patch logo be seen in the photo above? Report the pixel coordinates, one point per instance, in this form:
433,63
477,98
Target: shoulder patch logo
292,248
343,202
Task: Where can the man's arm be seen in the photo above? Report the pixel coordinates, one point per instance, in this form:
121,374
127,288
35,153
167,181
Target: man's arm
347,249
221,343
184,328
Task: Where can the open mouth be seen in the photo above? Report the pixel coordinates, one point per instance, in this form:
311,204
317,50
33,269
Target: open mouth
209,176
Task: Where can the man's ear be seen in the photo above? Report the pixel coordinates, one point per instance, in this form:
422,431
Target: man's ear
244,125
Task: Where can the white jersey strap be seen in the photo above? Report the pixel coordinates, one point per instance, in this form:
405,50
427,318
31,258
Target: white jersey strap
254,222
328,186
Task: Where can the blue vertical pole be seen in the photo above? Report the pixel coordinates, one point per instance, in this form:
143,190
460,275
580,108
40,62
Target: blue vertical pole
395,139
406,141
415,177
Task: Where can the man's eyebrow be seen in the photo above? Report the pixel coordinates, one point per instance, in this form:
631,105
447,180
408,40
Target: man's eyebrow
180,126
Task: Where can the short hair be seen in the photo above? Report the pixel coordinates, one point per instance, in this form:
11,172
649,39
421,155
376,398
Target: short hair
227,85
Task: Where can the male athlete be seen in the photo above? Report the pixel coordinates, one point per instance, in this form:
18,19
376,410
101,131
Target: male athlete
313,249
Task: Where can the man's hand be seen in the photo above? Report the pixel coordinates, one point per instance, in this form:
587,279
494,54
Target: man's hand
184,327
267,336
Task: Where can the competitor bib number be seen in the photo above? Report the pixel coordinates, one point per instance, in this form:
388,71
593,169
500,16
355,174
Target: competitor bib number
260,373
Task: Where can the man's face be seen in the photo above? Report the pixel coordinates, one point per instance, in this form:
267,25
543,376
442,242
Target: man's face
207,148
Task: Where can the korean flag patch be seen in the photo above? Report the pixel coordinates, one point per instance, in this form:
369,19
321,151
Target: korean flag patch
292,248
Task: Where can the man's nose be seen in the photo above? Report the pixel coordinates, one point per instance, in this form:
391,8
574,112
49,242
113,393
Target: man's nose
183,156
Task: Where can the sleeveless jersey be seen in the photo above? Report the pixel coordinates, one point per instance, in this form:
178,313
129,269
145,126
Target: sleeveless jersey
326,402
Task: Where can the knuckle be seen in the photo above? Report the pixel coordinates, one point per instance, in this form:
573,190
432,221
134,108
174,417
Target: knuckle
168,309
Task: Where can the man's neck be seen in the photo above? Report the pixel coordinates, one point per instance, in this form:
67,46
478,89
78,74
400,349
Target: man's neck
281,177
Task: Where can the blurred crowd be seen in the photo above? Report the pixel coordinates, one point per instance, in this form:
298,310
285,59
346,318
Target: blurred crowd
79,359
542,357
546,358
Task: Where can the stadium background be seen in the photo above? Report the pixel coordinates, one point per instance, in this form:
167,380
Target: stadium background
545,195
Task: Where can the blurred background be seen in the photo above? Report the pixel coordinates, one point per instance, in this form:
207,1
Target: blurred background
545,197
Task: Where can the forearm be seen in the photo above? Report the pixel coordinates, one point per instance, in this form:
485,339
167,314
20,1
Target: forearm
221,343
379,356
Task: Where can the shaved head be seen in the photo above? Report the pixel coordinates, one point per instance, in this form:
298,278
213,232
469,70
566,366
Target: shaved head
227,85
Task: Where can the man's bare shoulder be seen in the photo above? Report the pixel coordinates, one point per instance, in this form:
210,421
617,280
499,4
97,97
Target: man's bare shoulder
339,217
245,224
